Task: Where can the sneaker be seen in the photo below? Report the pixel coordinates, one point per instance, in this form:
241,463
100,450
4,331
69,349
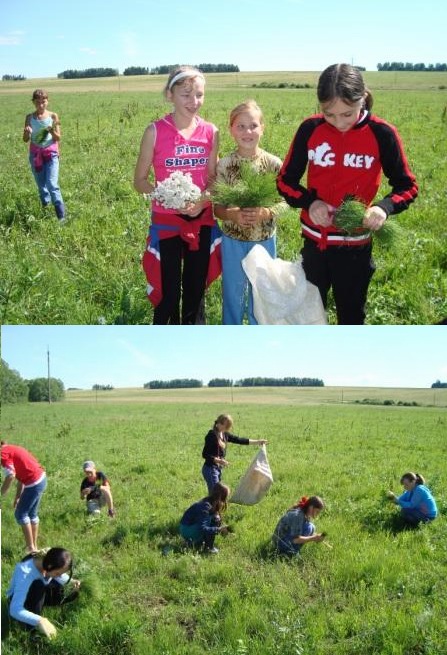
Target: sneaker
111,513
212,551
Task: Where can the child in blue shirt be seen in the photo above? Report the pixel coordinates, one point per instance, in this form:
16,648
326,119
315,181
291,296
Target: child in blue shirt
417,503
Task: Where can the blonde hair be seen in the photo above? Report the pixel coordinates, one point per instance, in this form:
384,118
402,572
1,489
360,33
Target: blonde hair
248,105
180,75
225,420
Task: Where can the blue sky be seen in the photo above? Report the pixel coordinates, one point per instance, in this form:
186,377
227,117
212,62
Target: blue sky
129,356
41,40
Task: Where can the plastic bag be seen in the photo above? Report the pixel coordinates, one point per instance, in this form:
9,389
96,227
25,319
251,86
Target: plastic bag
281,293
256,481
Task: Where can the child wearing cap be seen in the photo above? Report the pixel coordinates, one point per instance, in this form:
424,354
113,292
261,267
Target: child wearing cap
95,488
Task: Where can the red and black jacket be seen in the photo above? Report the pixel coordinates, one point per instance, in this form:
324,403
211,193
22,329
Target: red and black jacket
341,164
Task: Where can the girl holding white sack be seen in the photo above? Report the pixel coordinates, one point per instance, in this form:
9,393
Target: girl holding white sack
214,450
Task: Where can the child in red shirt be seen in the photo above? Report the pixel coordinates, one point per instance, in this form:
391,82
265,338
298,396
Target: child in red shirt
19,464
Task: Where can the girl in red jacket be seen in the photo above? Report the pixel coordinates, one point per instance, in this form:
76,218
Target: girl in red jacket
345,148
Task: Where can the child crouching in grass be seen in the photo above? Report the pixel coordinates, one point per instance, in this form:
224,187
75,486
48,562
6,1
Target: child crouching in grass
38,581
295,528
95,488
245,226
417,503
202,521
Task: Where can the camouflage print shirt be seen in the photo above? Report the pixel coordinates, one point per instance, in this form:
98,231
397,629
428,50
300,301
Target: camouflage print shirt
228,171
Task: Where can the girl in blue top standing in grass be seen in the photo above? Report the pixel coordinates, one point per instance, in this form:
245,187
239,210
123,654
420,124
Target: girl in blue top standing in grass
417,503
42,130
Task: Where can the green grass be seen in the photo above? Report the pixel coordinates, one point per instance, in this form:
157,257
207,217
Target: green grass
89,270
379,590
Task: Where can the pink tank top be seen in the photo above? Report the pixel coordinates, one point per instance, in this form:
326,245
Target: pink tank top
172,152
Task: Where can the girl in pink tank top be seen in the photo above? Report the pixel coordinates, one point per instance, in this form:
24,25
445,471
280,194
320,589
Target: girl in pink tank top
182,255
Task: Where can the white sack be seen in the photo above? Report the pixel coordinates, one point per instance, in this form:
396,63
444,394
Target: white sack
281,293
256,481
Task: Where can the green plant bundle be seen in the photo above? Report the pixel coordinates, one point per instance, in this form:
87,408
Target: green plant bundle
254,189
349,218
390,234
42,135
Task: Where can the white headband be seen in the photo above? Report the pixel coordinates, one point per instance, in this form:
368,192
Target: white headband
182,75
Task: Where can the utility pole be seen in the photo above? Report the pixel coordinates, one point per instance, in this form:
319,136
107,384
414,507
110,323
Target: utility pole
48,366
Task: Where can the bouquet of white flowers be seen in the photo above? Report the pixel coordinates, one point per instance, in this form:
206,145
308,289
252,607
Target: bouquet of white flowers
176,191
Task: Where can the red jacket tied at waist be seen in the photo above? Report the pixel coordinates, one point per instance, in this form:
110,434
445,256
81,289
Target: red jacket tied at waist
41,155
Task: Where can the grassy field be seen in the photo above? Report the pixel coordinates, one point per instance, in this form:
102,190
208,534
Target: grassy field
263,395
89,271
379,590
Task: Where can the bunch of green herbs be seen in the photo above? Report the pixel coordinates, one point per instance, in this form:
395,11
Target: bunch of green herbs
349,218
253,189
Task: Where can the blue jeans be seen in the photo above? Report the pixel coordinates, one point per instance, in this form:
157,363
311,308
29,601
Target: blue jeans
196,535
236,288
286,544
47,180
211,474
26,509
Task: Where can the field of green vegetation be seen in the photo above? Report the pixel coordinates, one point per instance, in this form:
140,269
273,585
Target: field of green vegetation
88,271
379,590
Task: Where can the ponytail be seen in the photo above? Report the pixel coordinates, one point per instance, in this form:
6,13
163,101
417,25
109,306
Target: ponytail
412,477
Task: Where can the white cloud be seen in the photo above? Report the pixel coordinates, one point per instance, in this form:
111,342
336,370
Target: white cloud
12,38
88,51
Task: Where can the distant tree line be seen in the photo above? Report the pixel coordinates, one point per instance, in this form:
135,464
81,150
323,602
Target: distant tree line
400,66
13,78
102,387
14,389
205,68
136,70
72,74
220,382
88,72
439,385
184,383
246,382
279,382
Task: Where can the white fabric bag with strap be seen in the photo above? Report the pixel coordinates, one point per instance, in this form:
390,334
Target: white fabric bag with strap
281,293
256,481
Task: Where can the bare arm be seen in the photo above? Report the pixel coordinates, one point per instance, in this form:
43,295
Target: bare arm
212,161
312,537
27,130
7,482
144,162
55,129
19,490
